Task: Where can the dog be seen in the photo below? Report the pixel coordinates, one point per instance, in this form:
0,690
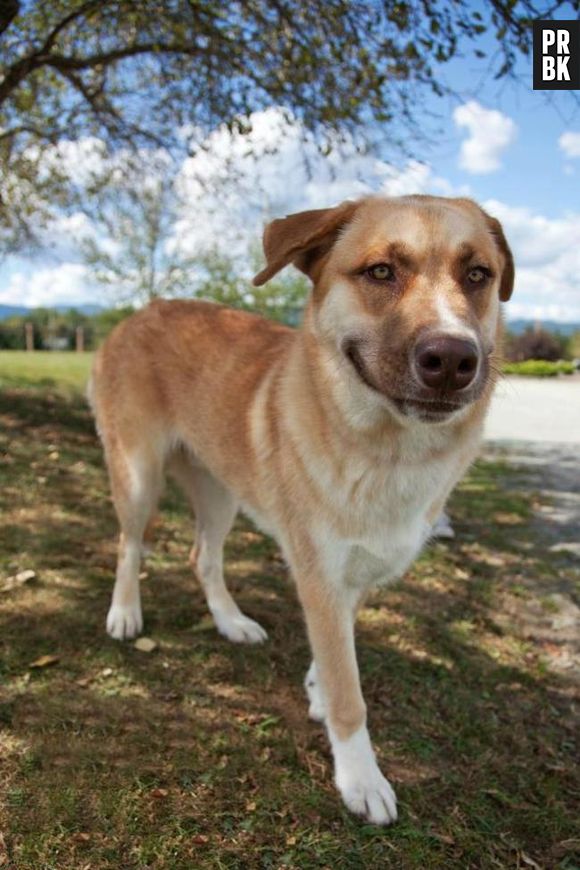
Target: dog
343,439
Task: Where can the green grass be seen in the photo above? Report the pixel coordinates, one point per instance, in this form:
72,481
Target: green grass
538,368
200,755
42,368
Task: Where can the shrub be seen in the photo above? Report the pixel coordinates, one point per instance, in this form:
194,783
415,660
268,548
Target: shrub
535,344
538,368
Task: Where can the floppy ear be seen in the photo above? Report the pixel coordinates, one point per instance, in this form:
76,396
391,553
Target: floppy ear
302,239
507,276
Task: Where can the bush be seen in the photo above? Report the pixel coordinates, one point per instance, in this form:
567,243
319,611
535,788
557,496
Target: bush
535,344
538,368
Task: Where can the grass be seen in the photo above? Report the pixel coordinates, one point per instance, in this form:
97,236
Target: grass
539,368
200,755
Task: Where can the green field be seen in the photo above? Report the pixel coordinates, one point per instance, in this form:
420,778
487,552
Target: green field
200,754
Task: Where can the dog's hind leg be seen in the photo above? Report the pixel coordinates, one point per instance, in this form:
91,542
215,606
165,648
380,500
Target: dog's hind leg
215,510
136,483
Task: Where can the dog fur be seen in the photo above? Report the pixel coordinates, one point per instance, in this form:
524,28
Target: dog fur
326,435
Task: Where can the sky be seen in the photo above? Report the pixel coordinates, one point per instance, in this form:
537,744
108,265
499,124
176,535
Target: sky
514,150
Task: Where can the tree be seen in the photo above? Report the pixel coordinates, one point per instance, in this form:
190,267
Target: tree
132,251
161,74
136,252
535,343
574,345
279,299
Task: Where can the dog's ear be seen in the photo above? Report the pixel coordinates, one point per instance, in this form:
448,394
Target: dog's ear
302,239
506,285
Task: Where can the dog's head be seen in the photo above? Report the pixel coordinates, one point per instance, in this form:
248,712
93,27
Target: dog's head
406,293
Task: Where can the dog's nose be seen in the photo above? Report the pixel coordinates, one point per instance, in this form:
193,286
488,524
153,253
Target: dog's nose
446,363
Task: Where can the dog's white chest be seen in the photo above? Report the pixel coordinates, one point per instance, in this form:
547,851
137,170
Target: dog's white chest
383,560
393,528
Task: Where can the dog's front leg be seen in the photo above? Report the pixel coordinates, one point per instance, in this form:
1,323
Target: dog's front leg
330,609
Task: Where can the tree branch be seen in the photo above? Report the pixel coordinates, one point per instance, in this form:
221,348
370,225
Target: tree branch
9,9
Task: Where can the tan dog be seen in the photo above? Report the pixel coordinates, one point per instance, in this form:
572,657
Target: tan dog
343,438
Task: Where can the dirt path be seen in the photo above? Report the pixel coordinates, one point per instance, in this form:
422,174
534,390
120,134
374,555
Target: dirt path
550,616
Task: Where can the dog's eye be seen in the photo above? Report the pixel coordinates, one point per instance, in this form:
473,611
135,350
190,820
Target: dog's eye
381,272
478,275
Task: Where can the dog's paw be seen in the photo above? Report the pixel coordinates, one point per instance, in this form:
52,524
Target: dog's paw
316,708
358,778
372,799
239,628
124,621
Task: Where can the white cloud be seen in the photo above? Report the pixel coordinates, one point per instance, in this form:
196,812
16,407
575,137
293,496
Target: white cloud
547,257
490,133
569,143
279,170
62,284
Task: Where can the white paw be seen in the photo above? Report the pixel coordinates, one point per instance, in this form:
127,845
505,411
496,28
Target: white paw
363,787
373,798
239,628
124,621
316,709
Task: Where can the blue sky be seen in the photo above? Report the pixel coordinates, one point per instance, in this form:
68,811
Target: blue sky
515,150
534,171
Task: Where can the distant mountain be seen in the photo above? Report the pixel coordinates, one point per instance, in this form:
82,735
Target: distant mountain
12,311
520,325
20,310
88,309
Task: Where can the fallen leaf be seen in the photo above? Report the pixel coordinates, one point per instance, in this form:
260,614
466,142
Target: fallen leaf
145,644
507,519
493,561
84,681
159,793
81,837
54,455
17,580
44,661
443,838
204,624
200,839
529,861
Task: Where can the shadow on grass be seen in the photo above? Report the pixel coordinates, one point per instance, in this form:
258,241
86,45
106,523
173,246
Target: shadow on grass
200,754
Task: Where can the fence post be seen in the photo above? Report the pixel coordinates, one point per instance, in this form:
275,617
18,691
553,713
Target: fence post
80,339
29,336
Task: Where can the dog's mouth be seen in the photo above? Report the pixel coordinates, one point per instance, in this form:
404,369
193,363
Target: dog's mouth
354,356
430,410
